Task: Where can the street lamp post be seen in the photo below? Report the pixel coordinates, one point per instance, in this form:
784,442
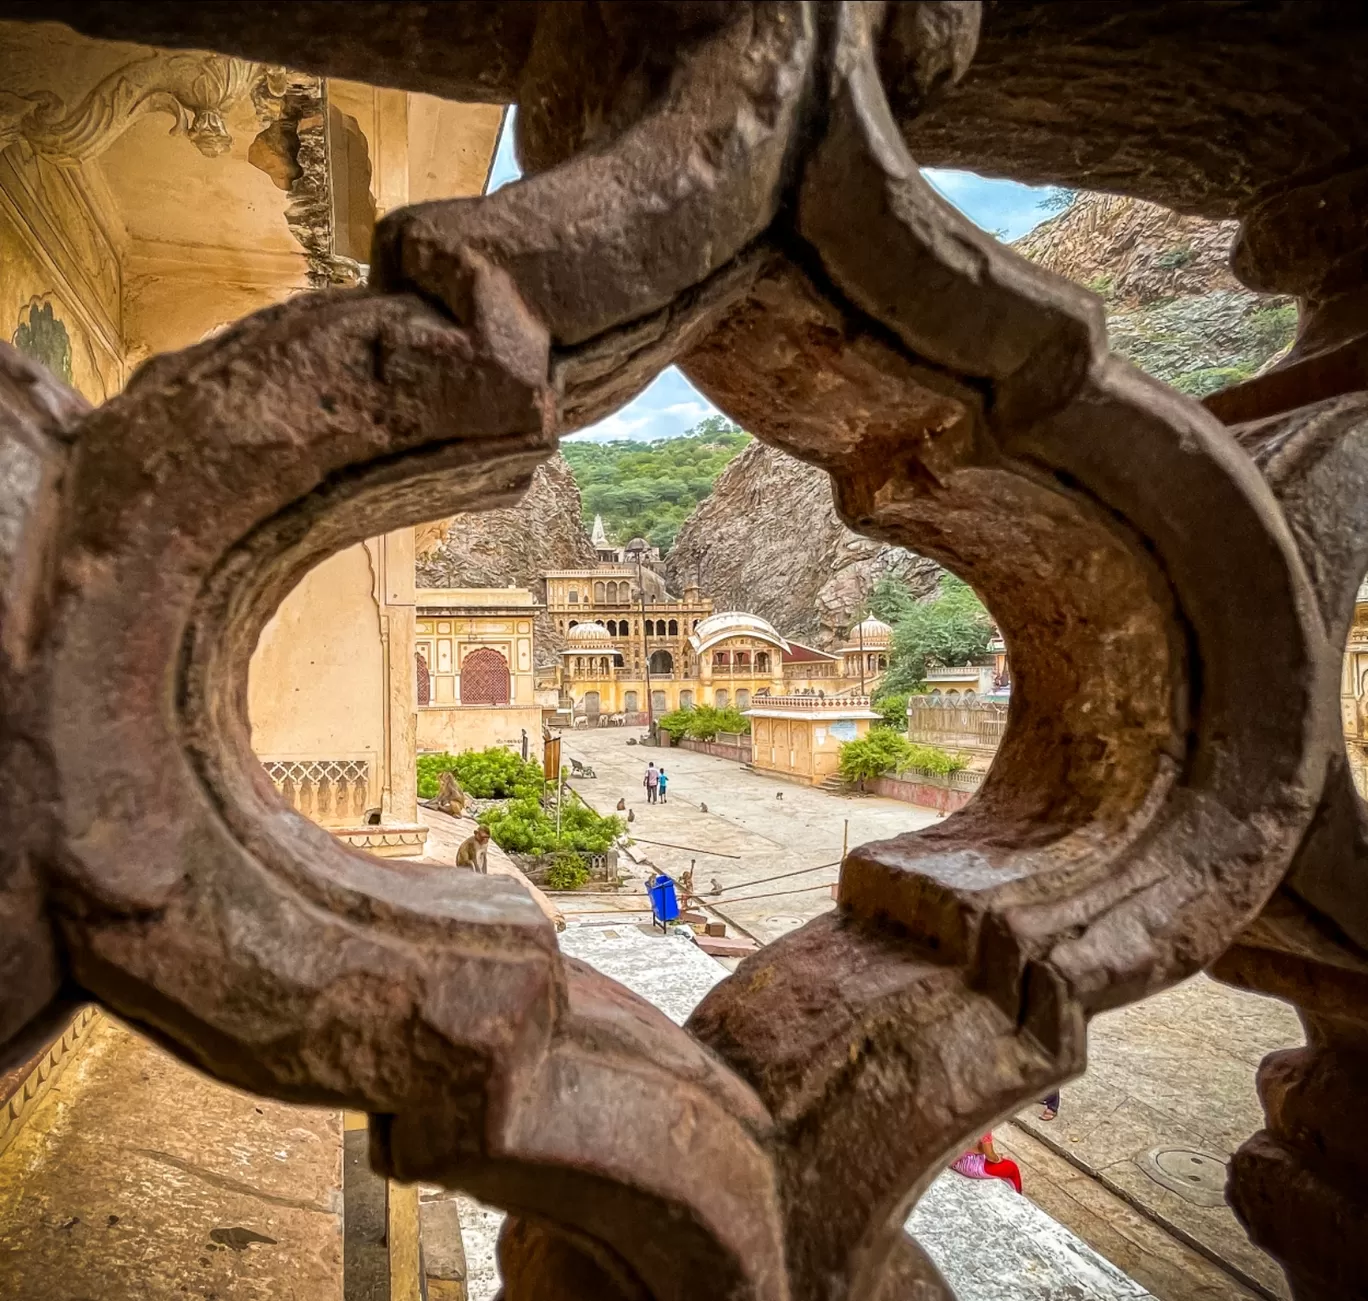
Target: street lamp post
636,552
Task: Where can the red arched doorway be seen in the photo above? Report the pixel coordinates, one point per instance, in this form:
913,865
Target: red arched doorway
484,678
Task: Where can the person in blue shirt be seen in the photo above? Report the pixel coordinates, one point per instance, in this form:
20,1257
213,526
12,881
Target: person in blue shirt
662,783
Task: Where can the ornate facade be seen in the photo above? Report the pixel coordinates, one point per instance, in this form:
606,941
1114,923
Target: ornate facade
475,683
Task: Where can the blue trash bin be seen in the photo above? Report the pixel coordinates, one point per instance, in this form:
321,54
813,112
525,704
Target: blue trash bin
664,901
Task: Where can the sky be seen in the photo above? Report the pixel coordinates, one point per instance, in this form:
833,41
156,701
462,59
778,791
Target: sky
671,406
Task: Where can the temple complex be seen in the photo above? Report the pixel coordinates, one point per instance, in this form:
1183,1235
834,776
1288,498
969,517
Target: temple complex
633,651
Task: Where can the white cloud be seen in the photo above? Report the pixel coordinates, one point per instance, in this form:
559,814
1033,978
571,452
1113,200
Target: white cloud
669,406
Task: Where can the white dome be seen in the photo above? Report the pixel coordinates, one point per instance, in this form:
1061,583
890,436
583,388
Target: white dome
734,623
589,634
873,631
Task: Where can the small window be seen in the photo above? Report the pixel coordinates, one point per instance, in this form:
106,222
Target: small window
720,699
674,627
574,597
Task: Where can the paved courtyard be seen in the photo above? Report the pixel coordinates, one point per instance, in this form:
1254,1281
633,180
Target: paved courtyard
1136,1159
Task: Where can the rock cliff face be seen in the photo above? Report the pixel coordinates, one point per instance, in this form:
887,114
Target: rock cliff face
1173,307
515,545
768,538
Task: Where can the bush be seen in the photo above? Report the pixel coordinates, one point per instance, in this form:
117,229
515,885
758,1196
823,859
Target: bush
893,709
522,826
703,723
568,871
885,751
491,774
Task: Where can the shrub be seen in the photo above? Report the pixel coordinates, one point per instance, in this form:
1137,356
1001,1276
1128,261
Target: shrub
568,871
703,723
885,751
1172,259
490,774
522,826
932,759
893,709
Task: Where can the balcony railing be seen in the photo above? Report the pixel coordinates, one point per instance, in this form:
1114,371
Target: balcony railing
951,726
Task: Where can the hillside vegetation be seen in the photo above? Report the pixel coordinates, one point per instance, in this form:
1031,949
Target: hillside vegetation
649,489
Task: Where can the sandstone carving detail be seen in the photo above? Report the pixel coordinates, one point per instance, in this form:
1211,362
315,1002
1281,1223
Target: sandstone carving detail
194,89
731,187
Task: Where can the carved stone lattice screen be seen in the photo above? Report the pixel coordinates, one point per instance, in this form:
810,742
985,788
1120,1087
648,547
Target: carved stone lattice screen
324,789
735,188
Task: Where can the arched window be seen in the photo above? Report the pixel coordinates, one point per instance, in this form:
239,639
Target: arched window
742,659
674,627
612,593
883,661
762,661
424,679
484,678
574,623
662,662
695,626
686,699
743,699
969,697
952,696
599,594
611,625
658,701
574,597
720,699
629,702
721,659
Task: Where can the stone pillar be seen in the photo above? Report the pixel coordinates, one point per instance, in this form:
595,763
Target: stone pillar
394,572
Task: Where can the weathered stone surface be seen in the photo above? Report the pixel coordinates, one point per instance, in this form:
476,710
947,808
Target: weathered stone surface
758,218
1174,307
512,545
767,539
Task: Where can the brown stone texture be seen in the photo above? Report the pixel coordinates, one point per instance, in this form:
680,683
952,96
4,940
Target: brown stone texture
767,539
731,187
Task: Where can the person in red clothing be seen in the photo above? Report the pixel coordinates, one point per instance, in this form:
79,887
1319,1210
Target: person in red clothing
982,1162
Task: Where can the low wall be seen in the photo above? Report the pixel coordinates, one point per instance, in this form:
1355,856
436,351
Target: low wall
735,748
929,790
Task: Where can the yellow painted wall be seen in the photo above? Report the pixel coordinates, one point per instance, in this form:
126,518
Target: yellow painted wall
478,727
804,748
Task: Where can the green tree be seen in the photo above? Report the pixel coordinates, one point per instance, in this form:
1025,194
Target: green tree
648,489
951,628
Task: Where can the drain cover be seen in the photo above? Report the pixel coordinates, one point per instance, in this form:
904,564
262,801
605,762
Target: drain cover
1199,1177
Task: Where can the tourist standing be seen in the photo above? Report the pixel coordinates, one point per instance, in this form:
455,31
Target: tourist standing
651,782
662,785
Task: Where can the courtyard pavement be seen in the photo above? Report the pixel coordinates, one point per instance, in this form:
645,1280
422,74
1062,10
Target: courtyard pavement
1136,1160
990,1244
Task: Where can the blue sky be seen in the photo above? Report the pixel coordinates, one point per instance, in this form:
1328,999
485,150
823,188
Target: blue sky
671,405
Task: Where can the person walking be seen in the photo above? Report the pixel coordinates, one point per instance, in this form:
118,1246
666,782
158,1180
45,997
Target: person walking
662,784
651,782
474,851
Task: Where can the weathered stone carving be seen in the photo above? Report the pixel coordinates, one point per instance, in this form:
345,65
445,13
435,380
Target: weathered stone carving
731,187
195,89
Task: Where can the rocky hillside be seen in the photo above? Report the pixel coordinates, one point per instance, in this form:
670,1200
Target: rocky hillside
515,545
768,539
1173,307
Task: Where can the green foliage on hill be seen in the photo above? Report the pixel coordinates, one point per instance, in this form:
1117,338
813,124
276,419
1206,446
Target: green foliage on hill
952,628
648,489
703,723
